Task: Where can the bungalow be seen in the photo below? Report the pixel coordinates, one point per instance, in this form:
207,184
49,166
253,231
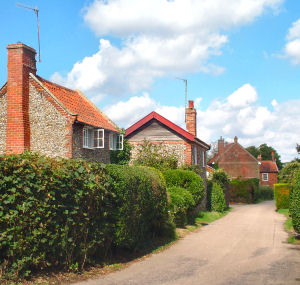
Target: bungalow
41,116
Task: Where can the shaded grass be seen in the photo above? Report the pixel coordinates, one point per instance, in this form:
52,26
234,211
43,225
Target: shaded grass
288,226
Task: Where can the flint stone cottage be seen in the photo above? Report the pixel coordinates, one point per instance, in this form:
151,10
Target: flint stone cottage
156,129
44,117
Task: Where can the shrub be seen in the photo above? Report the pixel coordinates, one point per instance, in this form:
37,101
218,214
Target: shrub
221,177
66,213
181,203
264,193
243,190
155,155
286,174
186,179
295,203
121,157
281,195
140,205
218,203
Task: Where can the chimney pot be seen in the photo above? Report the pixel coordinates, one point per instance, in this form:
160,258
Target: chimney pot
235,139
191,104
221,145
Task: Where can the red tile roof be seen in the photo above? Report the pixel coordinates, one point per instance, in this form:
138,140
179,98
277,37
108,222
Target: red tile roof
268,166
169,124
79,105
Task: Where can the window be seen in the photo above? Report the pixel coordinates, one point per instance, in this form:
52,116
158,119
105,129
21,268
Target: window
88,137
99,138
265,177
93,138
115,141
195,155
203,159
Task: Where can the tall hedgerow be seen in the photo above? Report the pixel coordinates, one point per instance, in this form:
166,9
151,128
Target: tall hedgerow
295,202
282,195
218,203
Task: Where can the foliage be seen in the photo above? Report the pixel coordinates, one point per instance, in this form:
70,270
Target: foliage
287,173
218,203
181,203
121,157
298,148
195,168
282,195
266,153
140,205
186,179
295,203
264,193
243,190
155,155
67,213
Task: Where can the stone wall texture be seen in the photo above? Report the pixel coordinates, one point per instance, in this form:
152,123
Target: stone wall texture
3,117
98,154
48,127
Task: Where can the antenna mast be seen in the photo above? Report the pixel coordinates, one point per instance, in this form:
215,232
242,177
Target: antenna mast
36,11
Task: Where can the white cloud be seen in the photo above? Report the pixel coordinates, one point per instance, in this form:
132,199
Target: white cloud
243,96
292,47
252,124
158,38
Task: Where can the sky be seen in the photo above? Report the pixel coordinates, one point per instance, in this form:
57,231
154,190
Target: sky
241,59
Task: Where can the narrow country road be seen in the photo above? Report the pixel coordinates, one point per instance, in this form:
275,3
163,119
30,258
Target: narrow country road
248,246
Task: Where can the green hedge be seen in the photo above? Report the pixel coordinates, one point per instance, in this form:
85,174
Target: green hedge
282,195
181,203
295,202
140,207
243,190
67,213
221,177
264,193
186,179
218,203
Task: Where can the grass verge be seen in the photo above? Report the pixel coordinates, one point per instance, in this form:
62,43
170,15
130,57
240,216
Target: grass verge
288,226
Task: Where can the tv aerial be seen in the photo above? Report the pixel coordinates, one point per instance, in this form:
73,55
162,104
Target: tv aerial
185,83
36,11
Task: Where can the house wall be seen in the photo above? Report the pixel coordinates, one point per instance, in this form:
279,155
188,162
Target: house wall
237,162
50,131
272,179
98,154
3,118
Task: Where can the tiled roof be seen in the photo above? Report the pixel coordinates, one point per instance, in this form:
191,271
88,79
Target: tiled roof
268,166
3,89
169,124
216,156
79,105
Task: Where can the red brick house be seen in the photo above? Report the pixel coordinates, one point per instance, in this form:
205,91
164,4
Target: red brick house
268,171
235,160
41,116
156,129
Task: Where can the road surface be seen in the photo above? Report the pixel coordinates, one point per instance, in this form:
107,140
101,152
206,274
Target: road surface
248,246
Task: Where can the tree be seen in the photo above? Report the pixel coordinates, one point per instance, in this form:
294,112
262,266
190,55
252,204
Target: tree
266,153
298,148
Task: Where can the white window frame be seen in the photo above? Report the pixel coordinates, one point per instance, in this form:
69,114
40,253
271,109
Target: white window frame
88,138
99,138
265,176
116,141
203,159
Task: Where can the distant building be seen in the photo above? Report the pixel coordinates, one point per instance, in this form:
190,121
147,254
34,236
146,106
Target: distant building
268,171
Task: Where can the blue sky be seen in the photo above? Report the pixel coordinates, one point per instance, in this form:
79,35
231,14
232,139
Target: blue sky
241,60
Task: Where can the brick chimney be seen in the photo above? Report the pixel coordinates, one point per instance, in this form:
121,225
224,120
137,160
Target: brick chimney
221,145
21,62
259,157
273,156
190,116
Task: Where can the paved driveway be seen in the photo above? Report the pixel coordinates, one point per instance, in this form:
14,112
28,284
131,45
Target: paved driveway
248,246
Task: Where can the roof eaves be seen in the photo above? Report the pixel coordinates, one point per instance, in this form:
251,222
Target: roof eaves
51,95
202,143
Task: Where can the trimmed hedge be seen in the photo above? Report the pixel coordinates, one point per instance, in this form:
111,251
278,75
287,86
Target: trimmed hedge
67,213
243,190
218,203
295,203
264,193
221,177
186,179
282,195
181,202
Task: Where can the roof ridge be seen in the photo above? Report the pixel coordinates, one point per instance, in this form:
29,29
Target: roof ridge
58,85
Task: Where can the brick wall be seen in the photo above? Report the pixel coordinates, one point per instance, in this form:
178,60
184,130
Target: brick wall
272,179
21,62
98,154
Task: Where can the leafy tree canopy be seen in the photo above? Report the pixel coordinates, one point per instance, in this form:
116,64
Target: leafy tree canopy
298,148
266,153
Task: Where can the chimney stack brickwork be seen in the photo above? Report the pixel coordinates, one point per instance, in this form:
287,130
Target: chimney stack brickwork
21,62
191,116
